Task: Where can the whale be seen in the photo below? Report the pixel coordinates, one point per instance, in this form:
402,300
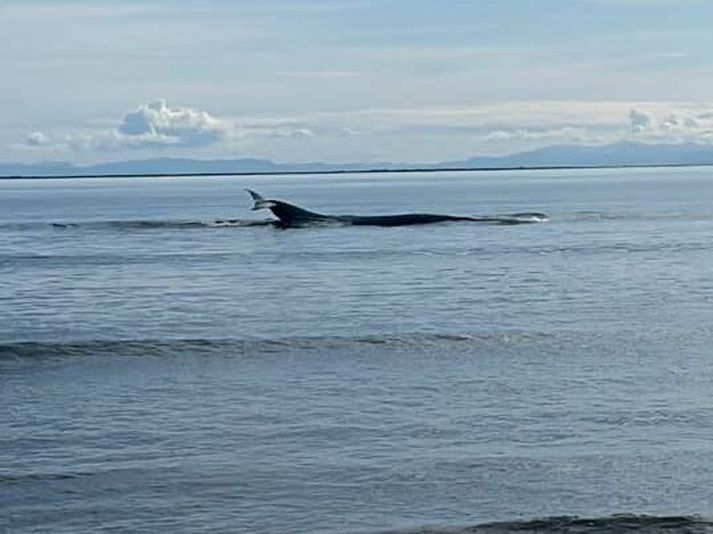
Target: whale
291,216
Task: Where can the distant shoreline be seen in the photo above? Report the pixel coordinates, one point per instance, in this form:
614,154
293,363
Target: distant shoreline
403,170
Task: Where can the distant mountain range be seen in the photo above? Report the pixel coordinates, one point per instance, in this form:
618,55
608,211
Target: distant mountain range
618,154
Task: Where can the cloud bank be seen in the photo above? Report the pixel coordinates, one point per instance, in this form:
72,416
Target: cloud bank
152,125
425,134
673,126
158,125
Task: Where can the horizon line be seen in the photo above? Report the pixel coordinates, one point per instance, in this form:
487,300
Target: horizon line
376,170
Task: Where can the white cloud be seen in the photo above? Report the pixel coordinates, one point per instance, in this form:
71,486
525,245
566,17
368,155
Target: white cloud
158,126
157,123
37,139
567,134
672,125
151,125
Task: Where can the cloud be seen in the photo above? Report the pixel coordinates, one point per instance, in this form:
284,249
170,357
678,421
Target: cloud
152,125
274,129
569,134
672,125
157,123
640,121
325,126
511,126
37,139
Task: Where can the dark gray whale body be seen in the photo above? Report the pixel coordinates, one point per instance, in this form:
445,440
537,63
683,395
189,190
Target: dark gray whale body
290,216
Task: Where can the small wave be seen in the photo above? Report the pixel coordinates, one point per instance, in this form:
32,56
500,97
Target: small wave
46,261
129,224
529,217
147,224
237,347
153,224
575,525
19,478
634,216
514,218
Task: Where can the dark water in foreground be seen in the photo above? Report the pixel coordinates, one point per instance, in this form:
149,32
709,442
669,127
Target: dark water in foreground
162,372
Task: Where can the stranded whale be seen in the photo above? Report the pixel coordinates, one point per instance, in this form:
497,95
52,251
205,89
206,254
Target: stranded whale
289,215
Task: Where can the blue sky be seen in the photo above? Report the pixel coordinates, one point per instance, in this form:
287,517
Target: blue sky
349,80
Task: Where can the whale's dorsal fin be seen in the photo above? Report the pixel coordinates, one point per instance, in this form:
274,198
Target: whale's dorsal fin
260,201
287,214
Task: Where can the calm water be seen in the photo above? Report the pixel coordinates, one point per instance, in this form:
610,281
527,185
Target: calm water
161,372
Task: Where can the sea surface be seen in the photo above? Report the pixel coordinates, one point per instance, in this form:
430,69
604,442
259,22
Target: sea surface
167,364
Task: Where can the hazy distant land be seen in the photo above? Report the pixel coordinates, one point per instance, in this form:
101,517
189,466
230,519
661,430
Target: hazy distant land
558,156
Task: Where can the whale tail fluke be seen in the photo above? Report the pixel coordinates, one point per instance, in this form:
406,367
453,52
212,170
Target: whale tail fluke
260,202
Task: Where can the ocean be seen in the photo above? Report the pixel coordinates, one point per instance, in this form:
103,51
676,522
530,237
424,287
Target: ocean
168,363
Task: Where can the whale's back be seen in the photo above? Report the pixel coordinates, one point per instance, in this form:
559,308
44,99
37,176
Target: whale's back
291,215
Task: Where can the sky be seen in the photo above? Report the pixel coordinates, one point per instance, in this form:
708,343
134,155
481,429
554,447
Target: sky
87,81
